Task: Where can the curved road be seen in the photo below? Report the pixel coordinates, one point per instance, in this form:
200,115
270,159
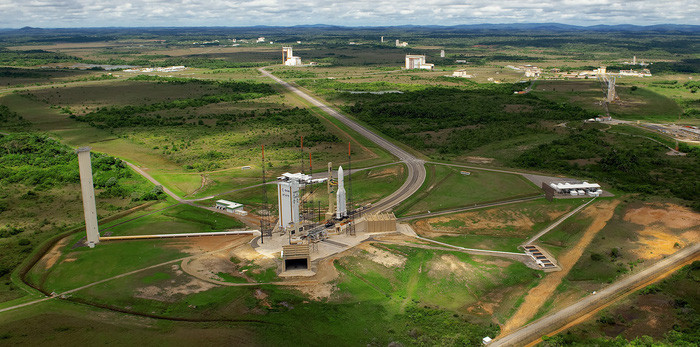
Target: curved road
416,169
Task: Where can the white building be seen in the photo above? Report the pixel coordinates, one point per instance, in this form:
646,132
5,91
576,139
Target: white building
461,73
442,53
230,207
592,189
417,62
401,44
260,39
288,57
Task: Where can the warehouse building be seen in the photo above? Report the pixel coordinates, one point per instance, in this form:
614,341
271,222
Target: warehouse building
576,189
230,207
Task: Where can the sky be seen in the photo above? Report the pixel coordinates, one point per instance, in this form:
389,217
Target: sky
148,13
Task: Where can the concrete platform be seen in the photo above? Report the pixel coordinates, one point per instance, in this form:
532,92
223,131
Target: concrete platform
272,246
297,273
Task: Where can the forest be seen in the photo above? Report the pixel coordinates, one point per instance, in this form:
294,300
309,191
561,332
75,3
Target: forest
453,120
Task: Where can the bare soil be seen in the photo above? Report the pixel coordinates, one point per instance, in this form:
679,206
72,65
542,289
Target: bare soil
382,257
52,256
667,228
495,221
670,215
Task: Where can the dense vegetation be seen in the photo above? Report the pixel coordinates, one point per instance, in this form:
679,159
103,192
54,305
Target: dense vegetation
680,292
631,164
44,163
129,116
33,57
451,120
33,170
8,116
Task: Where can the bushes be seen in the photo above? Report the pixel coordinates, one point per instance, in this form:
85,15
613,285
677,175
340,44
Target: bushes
10,231
44,163
133,116
627,163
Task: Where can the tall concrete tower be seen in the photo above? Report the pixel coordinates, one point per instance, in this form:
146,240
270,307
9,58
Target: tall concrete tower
288,197
442,53
341,211
85,166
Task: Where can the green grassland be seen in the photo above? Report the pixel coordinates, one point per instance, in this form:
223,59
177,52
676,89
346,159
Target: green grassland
615,249
620,248
80,266
446,188
173,220
422,302
65,322
565,234
501,228
635,103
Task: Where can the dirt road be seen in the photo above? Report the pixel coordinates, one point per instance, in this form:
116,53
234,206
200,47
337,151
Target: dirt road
539,294
557,320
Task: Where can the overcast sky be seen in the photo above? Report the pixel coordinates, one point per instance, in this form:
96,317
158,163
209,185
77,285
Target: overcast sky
129,13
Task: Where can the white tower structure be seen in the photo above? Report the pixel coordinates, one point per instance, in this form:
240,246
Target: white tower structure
288,197
442,53
341,211
417,62
288,57
85,168
382,39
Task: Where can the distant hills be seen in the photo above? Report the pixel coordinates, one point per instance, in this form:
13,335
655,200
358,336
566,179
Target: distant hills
462,27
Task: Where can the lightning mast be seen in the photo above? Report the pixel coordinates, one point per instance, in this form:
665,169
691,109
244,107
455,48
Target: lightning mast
265,229
351,207
329,184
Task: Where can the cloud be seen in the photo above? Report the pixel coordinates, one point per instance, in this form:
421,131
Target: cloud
100,13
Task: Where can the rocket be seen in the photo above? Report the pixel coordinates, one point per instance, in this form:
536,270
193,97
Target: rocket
341,211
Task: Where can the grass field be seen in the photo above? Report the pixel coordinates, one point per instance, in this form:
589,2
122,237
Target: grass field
80,266
173,220
446,188
449,301
501,228
639,103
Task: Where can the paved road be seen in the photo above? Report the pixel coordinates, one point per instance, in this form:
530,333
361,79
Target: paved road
416,169
552,322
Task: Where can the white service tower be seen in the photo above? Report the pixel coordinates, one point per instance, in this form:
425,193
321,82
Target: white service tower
341,211
288,197
85,167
